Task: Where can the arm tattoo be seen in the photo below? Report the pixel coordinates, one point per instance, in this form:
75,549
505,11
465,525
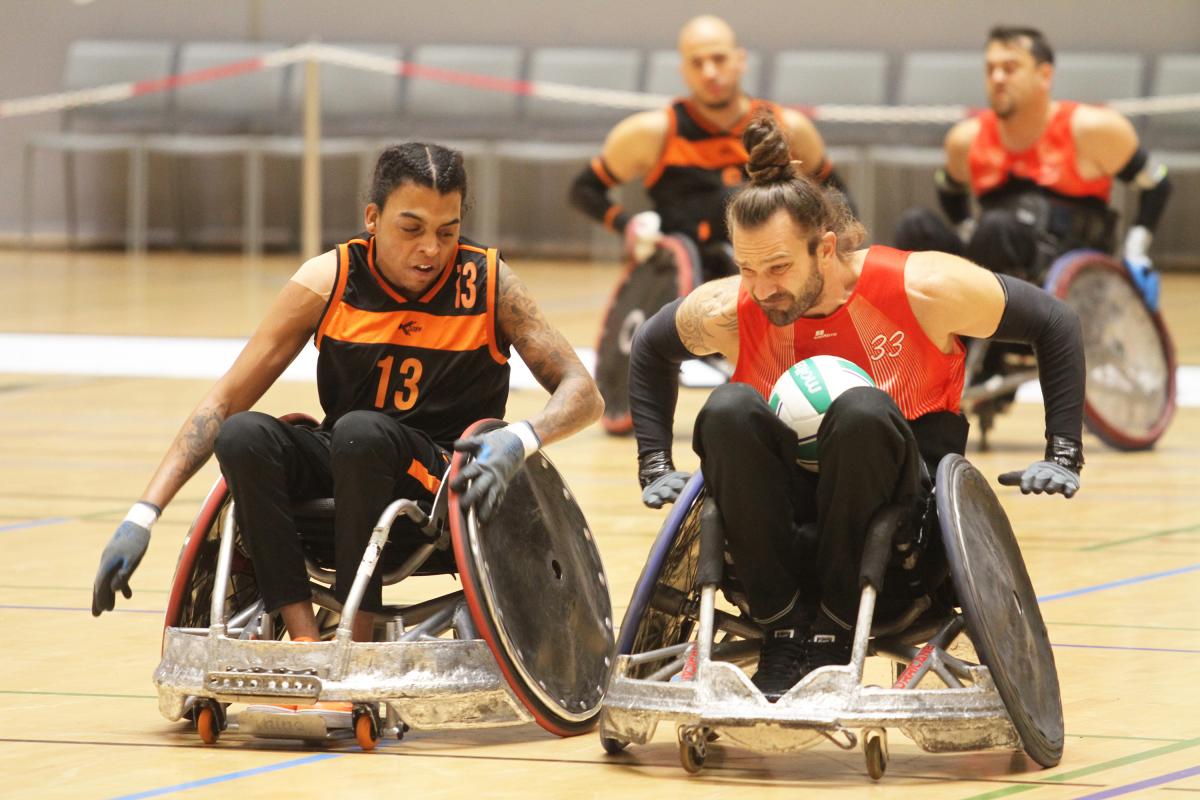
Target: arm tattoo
196,440
707,317
574,400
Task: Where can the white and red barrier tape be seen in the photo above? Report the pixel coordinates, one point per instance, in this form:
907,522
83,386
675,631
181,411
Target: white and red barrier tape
565,93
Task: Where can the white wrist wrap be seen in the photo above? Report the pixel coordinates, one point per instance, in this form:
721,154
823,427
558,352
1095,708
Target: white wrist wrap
142,514
524,431
1137,242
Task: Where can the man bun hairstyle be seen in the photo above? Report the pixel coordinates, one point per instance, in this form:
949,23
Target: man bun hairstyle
429,165
778,183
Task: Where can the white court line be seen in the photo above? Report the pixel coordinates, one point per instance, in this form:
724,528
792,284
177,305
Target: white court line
188,357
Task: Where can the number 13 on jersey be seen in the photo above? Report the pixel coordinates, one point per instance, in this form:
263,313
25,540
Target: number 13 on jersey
409,374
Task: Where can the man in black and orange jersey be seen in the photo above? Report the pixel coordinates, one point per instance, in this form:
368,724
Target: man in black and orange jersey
690,158
414,324
1042,171
808,287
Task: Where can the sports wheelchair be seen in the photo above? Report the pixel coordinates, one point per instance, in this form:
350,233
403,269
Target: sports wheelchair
1130,395
528,638
672,271
678,655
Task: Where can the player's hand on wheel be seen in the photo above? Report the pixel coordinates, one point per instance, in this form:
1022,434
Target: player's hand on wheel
642,234
498,455
121,557
661,482
1146,279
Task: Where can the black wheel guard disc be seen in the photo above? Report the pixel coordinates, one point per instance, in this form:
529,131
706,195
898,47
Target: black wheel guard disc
537,592
1001,609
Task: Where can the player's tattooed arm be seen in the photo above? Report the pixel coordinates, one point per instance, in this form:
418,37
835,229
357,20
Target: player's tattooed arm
707,319
574,399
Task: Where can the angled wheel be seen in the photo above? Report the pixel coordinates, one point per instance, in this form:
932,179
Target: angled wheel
536,591
999,604
672,271
613,746
1130,396
657,615
875,751
693,748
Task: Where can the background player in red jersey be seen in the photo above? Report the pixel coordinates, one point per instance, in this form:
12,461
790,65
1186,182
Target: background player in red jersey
806,288
691,159
413,323
1041,170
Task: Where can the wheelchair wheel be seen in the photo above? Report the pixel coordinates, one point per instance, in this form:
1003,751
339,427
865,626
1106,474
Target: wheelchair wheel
657,615
999,604
672,271
1130,395
190,601
536,591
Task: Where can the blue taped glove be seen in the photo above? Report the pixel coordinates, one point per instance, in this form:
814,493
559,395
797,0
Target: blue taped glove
481,484
1145,278
1043,477
120,558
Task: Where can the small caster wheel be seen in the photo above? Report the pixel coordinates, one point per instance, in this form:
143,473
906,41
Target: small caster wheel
613,746
208,723
875,750
693,748
366,727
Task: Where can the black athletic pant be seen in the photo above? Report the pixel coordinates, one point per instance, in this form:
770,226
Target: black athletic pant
1001,242
365,462
869,458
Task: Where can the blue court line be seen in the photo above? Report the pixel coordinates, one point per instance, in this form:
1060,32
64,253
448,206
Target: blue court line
1128,788
1114,584
1119,647
229,776
83,608
33,523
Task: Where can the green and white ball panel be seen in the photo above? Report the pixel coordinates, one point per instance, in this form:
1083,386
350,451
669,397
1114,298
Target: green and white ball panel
804,393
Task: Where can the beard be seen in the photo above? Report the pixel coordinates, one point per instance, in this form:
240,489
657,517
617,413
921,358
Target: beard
810,292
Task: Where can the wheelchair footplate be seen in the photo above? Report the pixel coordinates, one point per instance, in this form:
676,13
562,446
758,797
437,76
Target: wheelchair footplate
680,658
420,677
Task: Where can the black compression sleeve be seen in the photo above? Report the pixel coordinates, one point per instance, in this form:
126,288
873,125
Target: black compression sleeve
654,379
1154,187
589,194
952,197
1033,316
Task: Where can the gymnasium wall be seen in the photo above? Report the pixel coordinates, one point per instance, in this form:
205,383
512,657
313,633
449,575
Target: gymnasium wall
36,34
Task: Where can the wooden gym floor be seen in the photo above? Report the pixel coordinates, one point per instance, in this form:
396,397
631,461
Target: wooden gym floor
1118,569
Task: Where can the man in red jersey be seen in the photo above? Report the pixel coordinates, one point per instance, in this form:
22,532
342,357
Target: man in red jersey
807,287
1041,170
689,156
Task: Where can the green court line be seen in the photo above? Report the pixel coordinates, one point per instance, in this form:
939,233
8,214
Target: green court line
1123,738
80,694
70,588
1142,538
1079,773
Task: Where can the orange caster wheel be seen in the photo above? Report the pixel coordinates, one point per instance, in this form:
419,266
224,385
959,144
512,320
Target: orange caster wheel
207,725
366,729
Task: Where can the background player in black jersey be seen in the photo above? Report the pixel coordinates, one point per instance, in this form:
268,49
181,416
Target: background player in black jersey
691,159
413,323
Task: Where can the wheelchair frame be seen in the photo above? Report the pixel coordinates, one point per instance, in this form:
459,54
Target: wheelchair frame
414,678
715,696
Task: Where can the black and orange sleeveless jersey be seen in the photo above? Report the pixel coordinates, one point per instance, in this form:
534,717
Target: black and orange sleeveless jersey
700,167
435,363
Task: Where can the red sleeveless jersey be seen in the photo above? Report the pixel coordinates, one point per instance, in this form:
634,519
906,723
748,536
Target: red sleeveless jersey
876,329
1050,162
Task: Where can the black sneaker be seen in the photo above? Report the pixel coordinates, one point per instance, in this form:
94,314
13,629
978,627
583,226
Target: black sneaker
826,649
781,662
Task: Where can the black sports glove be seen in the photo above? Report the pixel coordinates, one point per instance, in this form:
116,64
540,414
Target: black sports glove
661,482
1058,473
482,483
120,558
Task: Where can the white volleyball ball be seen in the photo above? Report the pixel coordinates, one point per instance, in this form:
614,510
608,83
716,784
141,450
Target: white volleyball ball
803,394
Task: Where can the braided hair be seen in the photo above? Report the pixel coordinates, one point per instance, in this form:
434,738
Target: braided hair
429,165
